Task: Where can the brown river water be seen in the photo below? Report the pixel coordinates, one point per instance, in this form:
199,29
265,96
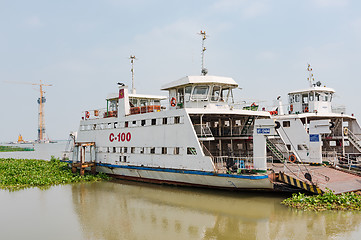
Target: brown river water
128,210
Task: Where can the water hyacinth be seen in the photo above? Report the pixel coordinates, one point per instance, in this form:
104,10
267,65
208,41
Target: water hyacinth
326,201
23,173
14,149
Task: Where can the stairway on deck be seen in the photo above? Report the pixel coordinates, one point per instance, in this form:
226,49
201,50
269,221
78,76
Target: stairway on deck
323,178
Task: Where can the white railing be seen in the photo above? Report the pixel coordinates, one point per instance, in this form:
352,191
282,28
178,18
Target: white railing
329,156
96,113
350,159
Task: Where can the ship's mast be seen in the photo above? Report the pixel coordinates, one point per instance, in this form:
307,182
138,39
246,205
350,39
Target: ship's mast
310,75
132,58
204,71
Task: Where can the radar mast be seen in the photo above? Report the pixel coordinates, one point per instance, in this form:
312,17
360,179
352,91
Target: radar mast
132,58
204,71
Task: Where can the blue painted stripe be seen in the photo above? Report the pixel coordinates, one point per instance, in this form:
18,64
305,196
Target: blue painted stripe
183,171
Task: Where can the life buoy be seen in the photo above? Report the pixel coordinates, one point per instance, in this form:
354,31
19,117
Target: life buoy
306,109
173,102
291,107
253,105
292,158
87,115
345,131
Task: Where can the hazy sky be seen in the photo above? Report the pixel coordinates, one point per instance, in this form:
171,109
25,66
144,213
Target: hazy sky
82,48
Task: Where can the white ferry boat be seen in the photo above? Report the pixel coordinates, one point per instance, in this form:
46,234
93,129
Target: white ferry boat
343,141
198,140
197,137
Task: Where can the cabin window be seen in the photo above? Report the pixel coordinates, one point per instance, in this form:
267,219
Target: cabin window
164,120
325,97
330,99
154,121
164,150
200,92
132,150
176,120
286,123
288,147
125,149
120,150
125,124
143,122
125,158
176,151
134,123
113,104
305,98
142,150
114,149
191,151
311,97
297,98
188,90
224,94
152,150
180,95
215,93
187,93
317,97
115,124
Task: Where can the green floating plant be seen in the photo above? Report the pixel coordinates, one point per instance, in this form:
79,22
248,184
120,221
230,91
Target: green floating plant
24,173
326,201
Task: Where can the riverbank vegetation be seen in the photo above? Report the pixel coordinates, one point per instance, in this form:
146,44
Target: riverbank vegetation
326,201
23,173
14,149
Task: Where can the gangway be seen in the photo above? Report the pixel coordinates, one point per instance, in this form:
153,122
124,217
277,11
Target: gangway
317,179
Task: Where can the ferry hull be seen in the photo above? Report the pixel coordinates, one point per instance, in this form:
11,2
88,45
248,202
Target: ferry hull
190,178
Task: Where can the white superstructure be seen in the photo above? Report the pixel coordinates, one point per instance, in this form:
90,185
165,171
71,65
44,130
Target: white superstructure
314,104
197,138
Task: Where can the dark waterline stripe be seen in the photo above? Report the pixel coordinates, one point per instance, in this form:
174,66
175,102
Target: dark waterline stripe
182,171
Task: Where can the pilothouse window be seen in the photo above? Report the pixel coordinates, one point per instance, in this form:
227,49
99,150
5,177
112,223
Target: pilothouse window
224,94
215,93
200,92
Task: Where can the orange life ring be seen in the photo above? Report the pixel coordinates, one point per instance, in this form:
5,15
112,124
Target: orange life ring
87,115
292,158
173,102
306,109
291,107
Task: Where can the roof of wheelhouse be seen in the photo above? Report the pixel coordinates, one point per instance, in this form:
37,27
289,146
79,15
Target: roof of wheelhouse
200,80
314,89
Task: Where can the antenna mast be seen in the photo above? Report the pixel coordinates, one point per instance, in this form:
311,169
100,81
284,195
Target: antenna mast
310,75
204,71
132,58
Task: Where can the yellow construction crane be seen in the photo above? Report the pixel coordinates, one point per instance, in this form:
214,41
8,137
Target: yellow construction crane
41,101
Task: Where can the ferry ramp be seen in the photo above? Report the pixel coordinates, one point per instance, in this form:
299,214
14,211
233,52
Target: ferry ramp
317,179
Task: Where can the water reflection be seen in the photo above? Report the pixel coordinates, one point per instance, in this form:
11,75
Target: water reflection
137,211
